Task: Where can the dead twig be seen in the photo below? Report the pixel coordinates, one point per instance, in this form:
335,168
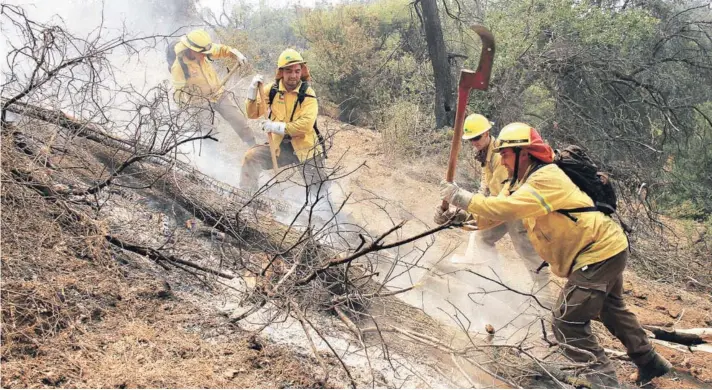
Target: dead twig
300,317
158,256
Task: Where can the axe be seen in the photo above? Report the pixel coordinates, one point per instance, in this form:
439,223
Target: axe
469,80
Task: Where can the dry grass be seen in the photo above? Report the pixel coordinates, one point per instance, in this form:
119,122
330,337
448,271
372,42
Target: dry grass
155,353
406,130
408,133
76,313
673,252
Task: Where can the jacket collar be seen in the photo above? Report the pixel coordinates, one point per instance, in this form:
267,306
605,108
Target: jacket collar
283,89
490,149
530,170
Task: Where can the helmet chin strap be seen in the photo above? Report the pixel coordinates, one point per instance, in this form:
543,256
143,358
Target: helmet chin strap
515,175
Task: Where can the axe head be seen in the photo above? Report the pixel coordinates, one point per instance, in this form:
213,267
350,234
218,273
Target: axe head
480,78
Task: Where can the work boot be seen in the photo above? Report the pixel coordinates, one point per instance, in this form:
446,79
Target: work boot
657,366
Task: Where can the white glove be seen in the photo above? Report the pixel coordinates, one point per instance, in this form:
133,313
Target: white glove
455,195
240,57
252,90
274,127
443,216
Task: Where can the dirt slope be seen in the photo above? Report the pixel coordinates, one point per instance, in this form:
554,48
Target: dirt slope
413,187
77,313
122,320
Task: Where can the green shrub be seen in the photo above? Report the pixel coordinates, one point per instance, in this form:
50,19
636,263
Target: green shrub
362,57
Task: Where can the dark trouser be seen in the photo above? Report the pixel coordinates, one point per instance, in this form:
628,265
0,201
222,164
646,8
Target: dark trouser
595,292
231,113
258,159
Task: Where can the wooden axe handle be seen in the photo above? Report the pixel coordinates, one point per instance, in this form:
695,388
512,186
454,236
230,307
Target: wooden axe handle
463,92
227,77
272,151
470,80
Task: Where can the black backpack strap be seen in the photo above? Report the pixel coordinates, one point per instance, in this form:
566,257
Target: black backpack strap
567,212
272,93
605,208
179,58
301,95
183,66
541,266
580,209
600,206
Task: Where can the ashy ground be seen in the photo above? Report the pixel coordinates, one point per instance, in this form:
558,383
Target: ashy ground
77,312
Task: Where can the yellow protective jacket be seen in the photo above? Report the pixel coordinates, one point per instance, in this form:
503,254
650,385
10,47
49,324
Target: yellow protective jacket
566,245
301,128
202,79
494,174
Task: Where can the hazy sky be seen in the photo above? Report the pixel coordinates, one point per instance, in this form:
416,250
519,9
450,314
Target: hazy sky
84,16
87,13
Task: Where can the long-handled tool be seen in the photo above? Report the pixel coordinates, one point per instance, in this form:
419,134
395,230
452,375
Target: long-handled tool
227,77
270,136
469,80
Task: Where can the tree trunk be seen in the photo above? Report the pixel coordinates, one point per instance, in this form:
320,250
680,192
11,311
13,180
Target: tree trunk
444,97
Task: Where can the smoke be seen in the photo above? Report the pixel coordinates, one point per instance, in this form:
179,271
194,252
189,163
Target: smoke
148,68
135,17
143,71
132,18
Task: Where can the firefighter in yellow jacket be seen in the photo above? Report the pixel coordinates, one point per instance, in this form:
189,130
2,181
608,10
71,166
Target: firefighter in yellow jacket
477,132
588,248
291,120
196,83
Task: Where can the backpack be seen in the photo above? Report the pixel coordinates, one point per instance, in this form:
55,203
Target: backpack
171,57
301,95
574,161
576,164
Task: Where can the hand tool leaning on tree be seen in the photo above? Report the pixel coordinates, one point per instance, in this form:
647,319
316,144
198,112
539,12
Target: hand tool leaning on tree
469,80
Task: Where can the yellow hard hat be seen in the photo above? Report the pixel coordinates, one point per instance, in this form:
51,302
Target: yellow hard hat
475,124
513,135
289,57
197,40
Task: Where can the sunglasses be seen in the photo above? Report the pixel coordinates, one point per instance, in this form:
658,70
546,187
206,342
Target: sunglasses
475,139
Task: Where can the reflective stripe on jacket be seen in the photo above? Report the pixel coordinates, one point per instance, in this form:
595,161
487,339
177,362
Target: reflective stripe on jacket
566,245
